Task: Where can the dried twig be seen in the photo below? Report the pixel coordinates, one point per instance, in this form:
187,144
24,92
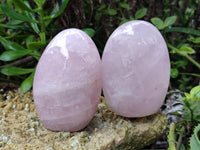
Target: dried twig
19,62
92,8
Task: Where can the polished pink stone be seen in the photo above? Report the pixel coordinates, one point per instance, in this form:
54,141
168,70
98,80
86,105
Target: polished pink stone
136,69
67,81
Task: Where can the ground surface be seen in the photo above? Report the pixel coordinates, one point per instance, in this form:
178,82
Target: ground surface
21,128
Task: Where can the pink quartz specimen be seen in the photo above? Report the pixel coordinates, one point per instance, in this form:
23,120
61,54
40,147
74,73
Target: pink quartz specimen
67,82
136,69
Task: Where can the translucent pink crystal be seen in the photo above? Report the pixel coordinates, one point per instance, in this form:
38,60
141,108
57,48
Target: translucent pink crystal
67,82
136,69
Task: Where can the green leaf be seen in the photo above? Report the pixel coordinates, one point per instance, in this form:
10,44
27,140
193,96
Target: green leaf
22,5
197,96
40,3
174,73
101,7
29,39
98,16
194,40
182,147
183,30
14,15
158,23
17,27
36,55
89,31
14,71
111,12
186,50
2,18
43,37
124,5
13,55
33,25
195,107
183,45
195,90
140,13
27,83
124,21
187,95
181,63
9,45
35,45
194,140
170,21
60,11
15,22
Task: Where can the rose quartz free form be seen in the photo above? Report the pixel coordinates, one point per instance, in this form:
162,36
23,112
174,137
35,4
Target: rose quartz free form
136,69
67,82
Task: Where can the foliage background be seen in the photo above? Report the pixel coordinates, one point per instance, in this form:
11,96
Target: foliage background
24,39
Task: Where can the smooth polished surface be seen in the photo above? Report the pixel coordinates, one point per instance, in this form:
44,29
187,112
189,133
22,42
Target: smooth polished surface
136,69
67,82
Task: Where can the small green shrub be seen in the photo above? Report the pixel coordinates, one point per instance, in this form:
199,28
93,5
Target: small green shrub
25,30
185,127
23,33
195,140
183,49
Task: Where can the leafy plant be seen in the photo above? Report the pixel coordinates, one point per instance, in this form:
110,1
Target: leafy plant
160,24
107,10
23,36
183,49
138,15
104,10
183,30
194,140
22,22
190,118
191,106
89,31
